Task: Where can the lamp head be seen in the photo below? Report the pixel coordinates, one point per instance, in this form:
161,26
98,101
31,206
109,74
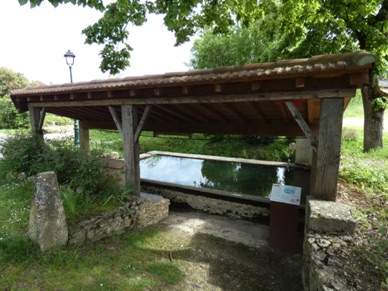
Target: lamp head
69,56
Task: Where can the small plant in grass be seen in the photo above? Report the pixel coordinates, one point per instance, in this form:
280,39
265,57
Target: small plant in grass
349,134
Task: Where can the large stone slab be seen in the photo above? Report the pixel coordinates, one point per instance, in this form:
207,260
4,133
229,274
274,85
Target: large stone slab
329,217
47,225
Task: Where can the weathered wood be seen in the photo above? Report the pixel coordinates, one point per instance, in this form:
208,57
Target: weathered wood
131,148
310,111
327,158
269,96
41,119
37,116
221,127
302,123
116,119
84,138
141,123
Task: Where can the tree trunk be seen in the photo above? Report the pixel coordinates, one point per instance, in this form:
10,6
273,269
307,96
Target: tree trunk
373,119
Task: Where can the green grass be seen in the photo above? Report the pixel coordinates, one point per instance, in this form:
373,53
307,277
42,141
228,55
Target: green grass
355,107
367,171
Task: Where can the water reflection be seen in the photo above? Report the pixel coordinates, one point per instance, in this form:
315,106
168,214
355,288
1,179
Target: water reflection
231,177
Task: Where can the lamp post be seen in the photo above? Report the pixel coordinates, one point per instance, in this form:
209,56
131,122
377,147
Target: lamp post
69,56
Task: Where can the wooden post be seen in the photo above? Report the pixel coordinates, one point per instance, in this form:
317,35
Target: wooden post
37,116
84,138
326,160
131,147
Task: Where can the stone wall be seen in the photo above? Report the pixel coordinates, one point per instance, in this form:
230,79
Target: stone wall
328,232
211,205
147,210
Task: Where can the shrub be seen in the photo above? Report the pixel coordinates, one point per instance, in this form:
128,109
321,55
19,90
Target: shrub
32,155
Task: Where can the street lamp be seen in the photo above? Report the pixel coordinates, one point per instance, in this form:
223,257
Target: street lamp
69,56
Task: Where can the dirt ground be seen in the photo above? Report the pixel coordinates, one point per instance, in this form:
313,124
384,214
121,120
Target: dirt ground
245,261
235,256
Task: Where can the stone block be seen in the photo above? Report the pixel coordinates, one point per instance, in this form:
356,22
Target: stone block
47,225
329,217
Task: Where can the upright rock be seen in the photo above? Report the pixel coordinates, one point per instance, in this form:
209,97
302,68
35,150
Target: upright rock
47,225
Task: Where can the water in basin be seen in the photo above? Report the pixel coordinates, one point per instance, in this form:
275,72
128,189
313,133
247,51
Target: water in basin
245,178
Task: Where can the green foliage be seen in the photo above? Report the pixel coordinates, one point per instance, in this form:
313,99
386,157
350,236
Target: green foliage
10,80
97,4
31,155
380,103
259,42
22,153
10,118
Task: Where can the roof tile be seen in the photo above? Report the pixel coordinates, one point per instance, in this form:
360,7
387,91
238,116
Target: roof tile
313,65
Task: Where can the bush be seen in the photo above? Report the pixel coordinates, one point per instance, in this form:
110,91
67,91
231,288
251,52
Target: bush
32,155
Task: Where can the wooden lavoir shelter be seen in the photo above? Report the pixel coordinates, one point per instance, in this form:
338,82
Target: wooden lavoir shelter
299,97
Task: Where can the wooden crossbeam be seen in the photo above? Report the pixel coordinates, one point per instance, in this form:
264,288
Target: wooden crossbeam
142,120
116,119
302,124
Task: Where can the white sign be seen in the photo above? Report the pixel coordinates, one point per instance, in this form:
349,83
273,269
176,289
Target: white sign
286,194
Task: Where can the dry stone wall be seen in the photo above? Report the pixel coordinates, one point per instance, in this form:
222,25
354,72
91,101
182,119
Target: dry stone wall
211,205
328,233
147,210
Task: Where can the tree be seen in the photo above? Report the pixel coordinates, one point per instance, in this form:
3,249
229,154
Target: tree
183,17
309,27
256,43
332,26
295,29
9,117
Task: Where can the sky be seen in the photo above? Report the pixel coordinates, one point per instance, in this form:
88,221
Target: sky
33,42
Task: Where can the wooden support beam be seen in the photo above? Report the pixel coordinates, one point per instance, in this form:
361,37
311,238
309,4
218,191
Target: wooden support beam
156,91
109,94
141,123
41,119
217,88
116,119
185,90
37,116
326,160
84,138
273,96
131,148
302,124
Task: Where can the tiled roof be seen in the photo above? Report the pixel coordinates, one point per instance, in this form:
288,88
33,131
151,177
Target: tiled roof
249,99
316,65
